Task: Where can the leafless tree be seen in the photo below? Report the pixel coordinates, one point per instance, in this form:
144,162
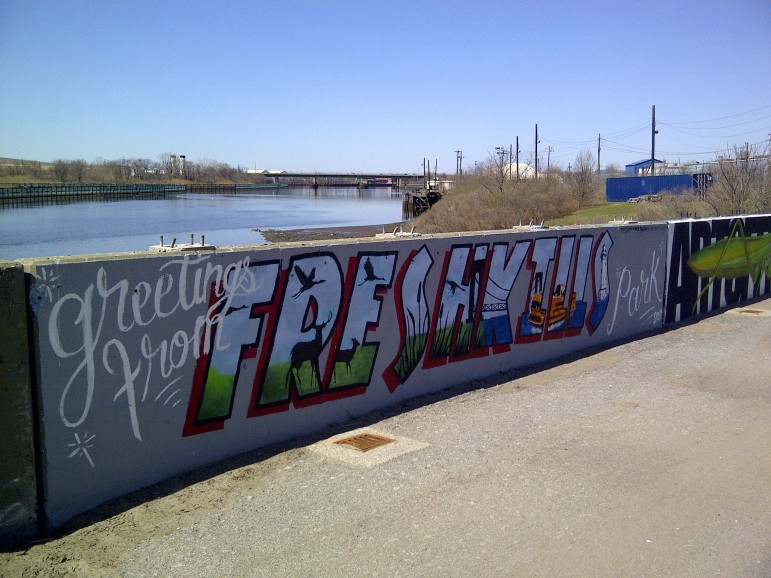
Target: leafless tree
78,168
140,168
164,166
493,175
583,180
61,170
741,181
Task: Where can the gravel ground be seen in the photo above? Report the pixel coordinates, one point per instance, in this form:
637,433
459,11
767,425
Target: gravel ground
651,458
326,233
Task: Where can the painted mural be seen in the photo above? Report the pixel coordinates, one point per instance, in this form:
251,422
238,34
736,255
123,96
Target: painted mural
717,262
152,366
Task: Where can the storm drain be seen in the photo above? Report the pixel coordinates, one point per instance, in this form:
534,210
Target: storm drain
341,446
365,442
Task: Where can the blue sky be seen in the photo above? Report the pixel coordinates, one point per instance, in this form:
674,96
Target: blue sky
377,86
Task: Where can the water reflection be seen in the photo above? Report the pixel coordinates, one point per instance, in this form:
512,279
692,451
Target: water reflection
225,219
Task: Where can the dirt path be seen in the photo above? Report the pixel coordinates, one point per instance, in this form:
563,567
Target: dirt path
326,233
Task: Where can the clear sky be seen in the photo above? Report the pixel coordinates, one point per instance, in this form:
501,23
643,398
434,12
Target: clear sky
365,85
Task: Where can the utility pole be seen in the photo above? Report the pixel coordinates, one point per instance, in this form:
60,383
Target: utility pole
536,150
517,158
501,152
548,158
458,162
653,140
599,148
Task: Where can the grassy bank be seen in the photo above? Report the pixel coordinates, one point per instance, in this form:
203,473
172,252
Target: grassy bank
603,213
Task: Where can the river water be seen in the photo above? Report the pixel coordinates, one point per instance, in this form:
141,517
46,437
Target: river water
225,219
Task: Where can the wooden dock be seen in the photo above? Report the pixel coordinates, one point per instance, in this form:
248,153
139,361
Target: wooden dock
419,201
52,194
232,188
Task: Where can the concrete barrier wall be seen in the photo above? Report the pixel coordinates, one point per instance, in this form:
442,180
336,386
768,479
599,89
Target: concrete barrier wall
151,365
18,488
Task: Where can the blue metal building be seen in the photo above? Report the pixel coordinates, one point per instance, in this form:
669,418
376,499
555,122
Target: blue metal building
625,188
642,167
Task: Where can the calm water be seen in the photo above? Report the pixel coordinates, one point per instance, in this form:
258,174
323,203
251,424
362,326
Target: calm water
99,227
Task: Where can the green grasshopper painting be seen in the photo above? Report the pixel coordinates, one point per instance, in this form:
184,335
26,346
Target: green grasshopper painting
735,256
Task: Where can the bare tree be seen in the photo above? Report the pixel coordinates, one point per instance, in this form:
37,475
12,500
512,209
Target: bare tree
120,170
140,168
740,181
78,167
61,170
165,166
583,179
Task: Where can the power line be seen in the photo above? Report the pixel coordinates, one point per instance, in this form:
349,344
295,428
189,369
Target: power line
724,117
676,126
703,136
615,141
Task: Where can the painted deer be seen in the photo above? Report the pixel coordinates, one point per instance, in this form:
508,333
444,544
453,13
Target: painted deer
345,356
307,351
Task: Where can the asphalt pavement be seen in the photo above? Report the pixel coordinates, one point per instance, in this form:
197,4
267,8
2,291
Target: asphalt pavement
650,458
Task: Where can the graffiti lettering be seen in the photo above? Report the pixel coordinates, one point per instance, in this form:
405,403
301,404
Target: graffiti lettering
688,292
600,281
450,334
412,316
644,293
298,333
89,313
498,284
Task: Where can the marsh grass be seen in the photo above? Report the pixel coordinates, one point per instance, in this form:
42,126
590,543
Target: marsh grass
478,204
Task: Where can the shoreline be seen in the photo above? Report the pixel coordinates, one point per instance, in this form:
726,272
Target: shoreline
326,233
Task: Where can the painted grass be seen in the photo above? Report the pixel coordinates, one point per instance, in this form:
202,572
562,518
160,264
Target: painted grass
442,342
216,395
361,366
410,356
440,347
276,387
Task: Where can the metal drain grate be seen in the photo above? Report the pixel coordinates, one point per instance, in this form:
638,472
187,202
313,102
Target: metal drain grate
365,442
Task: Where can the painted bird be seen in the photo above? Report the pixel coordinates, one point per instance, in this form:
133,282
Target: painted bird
370,271
454,287
307,281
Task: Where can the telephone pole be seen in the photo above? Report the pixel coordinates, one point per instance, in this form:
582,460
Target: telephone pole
459,162
654,132
599,148
517,158
536,150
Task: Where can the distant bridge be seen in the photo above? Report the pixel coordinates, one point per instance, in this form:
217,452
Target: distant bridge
397,180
